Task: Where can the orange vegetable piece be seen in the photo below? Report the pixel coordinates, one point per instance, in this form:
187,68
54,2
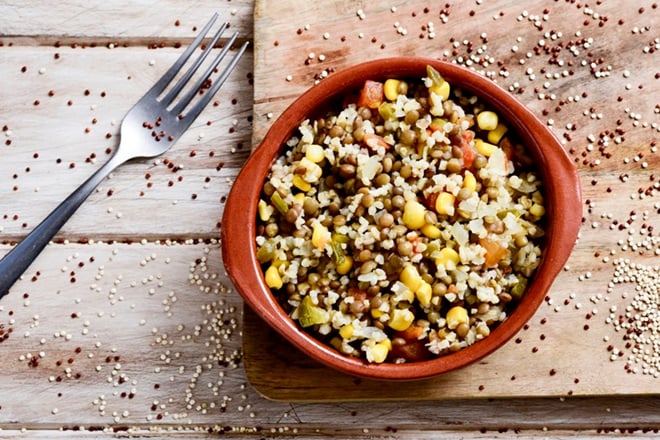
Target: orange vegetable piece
495,252
412,333
468,156
468,136
371,95
373,140
468,153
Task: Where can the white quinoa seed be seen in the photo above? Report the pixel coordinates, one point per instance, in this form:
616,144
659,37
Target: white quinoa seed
641,327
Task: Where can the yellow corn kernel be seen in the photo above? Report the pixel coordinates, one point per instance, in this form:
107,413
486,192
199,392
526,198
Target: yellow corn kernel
378,353
345,266
442,90
444,203
273,279
431,231
401,319
376,313
469,181
413,214
537,210
313,171
484,148
300,183
496,135
424,293
299,199
346,331
448,258
537,197
487,120
265,210
320,235
314,153
391,89
410,277
456,316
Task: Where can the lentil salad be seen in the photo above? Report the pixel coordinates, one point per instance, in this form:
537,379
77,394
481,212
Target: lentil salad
403,225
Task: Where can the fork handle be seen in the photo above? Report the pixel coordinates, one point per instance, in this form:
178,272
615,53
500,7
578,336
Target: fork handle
21,256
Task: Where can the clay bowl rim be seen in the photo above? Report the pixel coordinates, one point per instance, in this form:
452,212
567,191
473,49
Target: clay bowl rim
562,196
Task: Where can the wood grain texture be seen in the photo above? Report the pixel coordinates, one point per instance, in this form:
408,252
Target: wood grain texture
63,121
316,433
599,98
99,22
141,274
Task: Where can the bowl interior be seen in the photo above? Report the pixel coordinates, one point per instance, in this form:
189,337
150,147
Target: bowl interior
562,199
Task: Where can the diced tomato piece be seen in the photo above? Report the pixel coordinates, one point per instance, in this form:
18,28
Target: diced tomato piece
468,153
414,348
371,95
430,200
463,142
468,156
412,351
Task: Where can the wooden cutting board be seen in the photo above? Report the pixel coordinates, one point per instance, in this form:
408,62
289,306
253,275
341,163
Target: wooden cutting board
591,74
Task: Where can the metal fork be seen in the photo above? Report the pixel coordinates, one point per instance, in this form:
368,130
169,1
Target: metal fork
149,129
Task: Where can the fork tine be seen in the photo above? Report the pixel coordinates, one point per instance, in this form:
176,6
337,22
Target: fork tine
185,100
163,82
167,100
204,100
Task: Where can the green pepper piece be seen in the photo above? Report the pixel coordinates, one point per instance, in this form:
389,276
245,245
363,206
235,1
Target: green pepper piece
266,253
519,288
337,252
387,111
279,203
434,75
309,314
340,238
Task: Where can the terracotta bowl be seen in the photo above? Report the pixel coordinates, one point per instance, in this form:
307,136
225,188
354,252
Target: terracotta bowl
562,200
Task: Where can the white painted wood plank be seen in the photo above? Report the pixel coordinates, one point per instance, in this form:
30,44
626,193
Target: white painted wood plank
309,433
102,21
169,314
101,332
49,147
